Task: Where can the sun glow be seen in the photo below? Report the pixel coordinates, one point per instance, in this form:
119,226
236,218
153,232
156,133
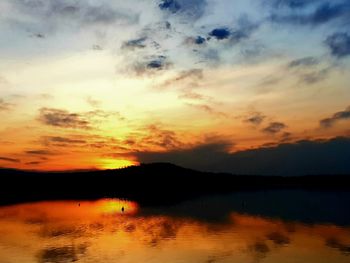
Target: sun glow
106,164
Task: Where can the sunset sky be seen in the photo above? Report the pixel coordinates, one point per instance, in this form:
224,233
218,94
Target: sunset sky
87,84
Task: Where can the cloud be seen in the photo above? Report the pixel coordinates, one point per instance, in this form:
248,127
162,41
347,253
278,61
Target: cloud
149,137
96,47
63,119
198,40
243,30
187,94
84,120
314,76
256,119
135,43
39,152
220,33
93,102
303,62
340,246
207,108
151,65
62,140
298,158
155,64
338,116
291,3
65,140
159,136
203,157
33,163
192,9
83,12
286,137
259,250
274,127
12,160
278,238
323,13
170,5
39,35
339,44
4,106
192,76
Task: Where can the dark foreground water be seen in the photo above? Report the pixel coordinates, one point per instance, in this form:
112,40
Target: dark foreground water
272,226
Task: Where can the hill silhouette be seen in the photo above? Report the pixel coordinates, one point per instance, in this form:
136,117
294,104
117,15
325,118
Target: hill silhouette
159,183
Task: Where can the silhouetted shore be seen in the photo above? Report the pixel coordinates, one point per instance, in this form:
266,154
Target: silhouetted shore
158,183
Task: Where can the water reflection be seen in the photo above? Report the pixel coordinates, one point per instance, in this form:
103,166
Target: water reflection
112,230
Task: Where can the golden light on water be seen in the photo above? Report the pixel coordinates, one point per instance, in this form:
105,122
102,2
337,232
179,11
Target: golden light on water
117,206
98,231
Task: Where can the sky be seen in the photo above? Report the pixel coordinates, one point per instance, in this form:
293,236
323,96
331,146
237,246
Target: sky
244,86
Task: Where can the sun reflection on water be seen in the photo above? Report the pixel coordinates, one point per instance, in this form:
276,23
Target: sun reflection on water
117,206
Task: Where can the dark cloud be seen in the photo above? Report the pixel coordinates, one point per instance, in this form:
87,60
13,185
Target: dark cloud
63,119
256,118
303,62
199,40
171,5
299,158
259,250
135,43
151,65
338,116
155,64
340,246
12,160
203,157
323,13
39,152
220,33
292,3
278,238
285,137
274,127
192,9
339,44
33,163
62,140
243,31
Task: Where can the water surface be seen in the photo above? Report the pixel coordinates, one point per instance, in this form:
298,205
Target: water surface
231,228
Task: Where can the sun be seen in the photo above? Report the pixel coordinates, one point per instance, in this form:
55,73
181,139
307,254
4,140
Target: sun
106,164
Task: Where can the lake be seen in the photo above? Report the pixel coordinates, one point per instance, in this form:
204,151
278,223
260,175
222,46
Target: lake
265,226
